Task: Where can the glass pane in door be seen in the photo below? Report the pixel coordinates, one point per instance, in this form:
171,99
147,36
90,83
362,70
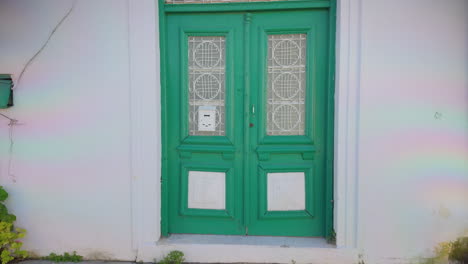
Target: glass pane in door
206,62
286,84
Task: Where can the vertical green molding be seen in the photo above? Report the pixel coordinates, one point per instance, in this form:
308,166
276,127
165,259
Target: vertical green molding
163,60
330,135
247,163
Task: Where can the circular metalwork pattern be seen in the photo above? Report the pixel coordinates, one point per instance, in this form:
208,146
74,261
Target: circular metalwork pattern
286,52
286,117
207,54
207,86
286,85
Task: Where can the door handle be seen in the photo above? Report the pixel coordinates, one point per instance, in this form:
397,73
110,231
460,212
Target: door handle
253,109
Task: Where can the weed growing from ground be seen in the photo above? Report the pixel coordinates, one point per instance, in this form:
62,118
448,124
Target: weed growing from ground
174,257
66,257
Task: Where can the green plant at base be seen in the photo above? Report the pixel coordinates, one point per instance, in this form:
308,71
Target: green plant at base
455,252
10,246
331,239
174,257
459,251
66,257
4,215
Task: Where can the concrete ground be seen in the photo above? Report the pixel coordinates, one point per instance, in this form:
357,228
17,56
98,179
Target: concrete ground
83,262
89,262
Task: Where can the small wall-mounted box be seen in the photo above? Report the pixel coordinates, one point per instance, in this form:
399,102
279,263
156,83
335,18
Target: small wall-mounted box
207,118
6,93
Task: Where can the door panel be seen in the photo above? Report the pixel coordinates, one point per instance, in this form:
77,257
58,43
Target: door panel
289,59
246,119
206,136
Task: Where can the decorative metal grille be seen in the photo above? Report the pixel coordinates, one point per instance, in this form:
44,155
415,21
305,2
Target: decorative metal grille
215,1
286,84
206,62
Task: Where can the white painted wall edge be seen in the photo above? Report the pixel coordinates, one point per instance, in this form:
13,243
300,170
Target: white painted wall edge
145,121
347,82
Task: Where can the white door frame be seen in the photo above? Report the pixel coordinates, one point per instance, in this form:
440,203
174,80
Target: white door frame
143,47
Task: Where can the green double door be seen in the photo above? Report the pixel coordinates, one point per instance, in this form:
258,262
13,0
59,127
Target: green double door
246,102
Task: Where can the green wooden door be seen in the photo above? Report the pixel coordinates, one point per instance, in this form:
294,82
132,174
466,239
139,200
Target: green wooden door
246,122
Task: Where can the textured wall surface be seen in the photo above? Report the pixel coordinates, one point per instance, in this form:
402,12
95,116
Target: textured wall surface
84,176
413,131
71,149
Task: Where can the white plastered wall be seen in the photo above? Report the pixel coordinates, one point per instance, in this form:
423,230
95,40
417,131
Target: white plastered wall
412,127
86,150
70,174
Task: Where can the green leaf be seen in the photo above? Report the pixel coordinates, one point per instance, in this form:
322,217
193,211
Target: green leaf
3,194
66,257
3,209
9,218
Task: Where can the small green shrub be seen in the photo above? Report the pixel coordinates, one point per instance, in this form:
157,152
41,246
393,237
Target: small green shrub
459,251
10,246
331,239
453,252
174,257
4,215
66,257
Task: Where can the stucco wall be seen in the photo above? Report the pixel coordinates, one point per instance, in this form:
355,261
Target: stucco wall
71,149
413,131
84,167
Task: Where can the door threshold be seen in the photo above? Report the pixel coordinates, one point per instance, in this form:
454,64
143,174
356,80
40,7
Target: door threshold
270,241
248,249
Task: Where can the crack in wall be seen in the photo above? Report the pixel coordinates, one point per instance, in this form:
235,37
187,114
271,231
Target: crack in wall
14,122
7,117
11,125
31,60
